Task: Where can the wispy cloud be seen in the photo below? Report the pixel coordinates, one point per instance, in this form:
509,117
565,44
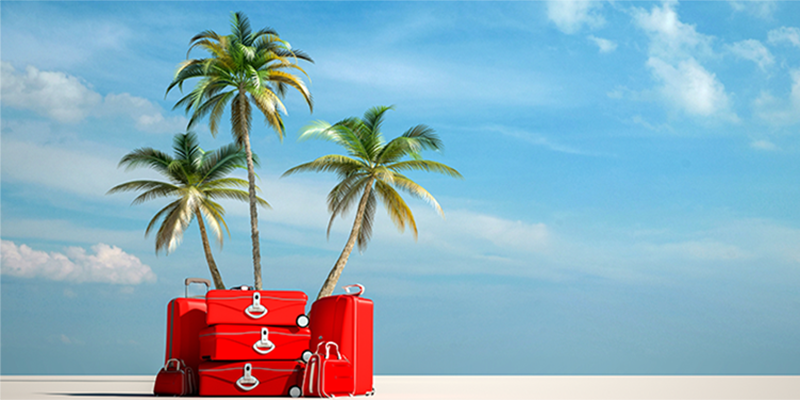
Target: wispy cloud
754,51
571,16
784,34
780,112
538,139
605,45
108,264
763,145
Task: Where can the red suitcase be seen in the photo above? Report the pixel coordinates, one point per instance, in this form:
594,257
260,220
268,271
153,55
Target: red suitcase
328,374
185,318
250,342
257,307
254,378
347,320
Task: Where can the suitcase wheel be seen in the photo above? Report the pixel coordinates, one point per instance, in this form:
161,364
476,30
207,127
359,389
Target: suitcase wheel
306,355
295,392
302,321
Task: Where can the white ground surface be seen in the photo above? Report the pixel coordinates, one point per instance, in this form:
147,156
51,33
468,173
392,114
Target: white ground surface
452,387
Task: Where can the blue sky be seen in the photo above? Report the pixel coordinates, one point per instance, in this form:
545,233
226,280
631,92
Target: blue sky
629,203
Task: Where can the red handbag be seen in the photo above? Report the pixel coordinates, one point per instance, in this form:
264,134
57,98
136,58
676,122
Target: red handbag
175,379
328,375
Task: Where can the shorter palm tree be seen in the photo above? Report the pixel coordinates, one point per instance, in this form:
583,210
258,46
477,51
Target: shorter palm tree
196,179
373,166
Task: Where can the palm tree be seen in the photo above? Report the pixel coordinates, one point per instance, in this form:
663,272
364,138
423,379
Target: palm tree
372,166
243,67
196,179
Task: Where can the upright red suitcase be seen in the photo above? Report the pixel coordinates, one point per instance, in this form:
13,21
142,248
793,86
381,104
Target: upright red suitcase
254,343
253,378
347,320
186,317
257,307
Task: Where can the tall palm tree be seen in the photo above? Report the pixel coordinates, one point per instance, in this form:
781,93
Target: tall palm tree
196,179
372,167
243,67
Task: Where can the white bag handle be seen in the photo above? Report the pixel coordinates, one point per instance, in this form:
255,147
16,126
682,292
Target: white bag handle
264,345
256,307
328,350
355,285
247,379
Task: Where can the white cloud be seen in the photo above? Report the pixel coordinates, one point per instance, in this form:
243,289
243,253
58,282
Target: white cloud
68,99
754,51
108,264
785,34
765,145
780,112
762,9
671,39
690,88
56,95
605,45
674,48
570,16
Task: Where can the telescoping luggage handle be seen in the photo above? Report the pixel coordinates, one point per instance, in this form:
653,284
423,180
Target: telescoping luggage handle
349,289
189,281
247,382
264,345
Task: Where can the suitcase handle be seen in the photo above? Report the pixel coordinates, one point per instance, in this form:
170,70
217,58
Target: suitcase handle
247,382
189,281
256,307
356,285
264,343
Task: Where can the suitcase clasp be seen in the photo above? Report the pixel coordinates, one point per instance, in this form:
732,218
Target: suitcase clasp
247,382
256,310
264,345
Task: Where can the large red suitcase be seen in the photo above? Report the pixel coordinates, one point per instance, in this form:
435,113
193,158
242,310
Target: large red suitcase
251,342
253,378
186,317
257,307
347,320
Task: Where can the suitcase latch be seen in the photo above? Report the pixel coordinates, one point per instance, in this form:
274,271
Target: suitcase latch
256,310
247,382
264,346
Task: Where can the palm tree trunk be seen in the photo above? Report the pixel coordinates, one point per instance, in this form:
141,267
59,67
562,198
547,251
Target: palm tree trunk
251,188
336,272
212,266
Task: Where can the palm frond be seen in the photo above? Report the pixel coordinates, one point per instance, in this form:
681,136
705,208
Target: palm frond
424,165
407,185
365,230
344,195
396,207
342,165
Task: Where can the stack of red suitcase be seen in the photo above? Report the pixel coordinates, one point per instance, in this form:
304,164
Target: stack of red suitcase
256,343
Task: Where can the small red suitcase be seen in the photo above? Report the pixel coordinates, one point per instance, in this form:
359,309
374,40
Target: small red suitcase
185,318
347,320
254,378
175,379
328,375
257,307
254,343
